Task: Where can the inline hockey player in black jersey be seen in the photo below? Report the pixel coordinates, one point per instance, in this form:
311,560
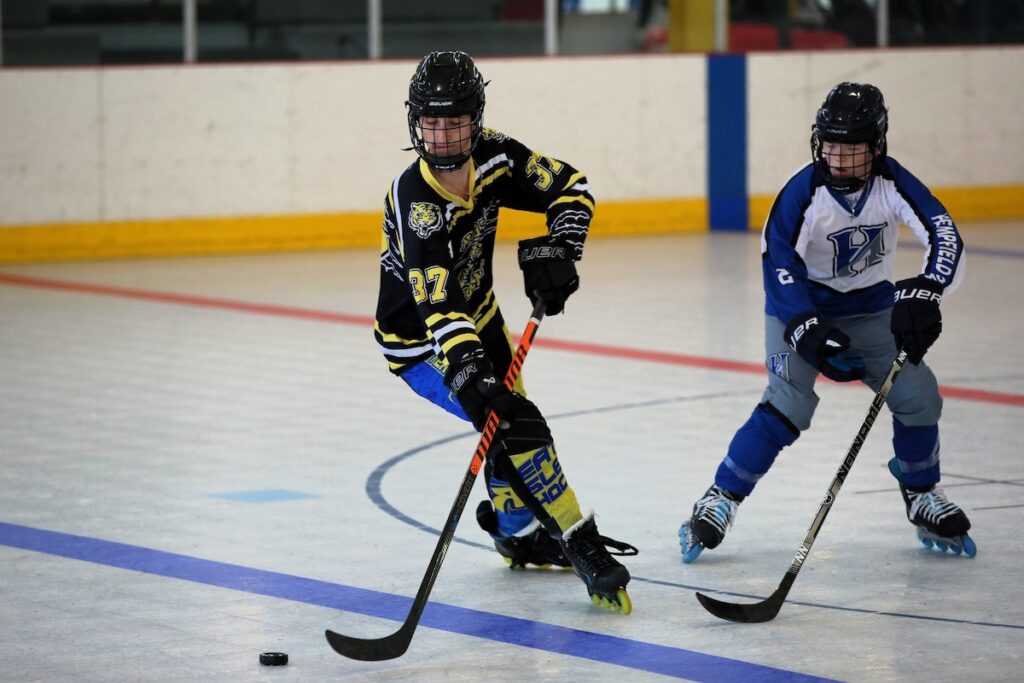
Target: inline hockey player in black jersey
438,321
828,252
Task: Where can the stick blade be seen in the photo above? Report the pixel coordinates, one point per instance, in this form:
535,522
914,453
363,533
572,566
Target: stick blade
375,650
754,613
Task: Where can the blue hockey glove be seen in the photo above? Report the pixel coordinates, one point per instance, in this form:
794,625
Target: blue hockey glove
916,319
822,346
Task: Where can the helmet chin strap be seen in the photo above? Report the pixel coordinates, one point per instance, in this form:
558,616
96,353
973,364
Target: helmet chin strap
847,184
854,189
842,184
447,167
445,162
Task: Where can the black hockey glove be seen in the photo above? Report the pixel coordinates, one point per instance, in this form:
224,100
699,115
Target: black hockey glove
478,391
548,270
916,320
821,347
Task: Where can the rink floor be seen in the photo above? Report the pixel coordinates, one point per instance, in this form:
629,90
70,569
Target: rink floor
202,459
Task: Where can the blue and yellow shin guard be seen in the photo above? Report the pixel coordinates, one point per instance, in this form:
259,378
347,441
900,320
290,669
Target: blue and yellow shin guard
541,473
518,533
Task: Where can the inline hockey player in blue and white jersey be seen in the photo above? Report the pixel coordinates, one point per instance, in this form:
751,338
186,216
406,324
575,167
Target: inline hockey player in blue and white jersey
440,327
828,251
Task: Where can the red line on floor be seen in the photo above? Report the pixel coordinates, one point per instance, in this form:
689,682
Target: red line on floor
589,348
963,393
187,299
666,357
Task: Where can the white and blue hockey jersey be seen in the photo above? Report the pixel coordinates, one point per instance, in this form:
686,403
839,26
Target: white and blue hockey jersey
821,254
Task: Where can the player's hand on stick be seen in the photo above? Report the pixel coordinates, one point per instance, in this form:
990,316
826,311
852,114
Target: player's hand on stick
916,319
822,347
478,390
548,271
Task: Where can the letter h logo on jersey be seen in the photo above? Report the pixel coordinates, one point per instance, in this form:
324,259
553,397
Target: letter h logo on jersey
857,249
778,364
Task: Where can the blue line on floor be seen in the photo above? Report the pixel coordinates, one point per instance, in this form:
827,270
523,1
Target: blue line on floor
660,659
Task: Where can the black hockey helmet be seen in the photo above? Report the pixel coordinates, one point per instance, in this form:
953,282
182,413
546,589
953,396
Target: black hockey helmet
851,113
446,83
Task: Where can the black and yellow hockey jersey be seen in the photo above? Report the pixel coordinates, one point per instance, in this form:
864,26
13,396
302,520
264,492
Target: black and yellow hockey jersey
436,249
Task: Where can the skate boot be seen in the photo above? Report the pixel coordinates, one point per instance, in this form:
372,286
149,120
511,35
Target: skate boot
604,577
535,548
712,515
940,523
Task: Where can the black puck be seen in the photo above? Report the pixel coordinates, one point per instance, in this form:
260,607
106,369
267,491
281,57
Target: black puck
273,658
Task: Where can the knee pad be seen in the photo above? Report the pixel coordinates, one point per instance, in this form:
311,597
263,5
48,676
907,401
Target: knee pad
526,463
528,431
914,397
793,406
754,448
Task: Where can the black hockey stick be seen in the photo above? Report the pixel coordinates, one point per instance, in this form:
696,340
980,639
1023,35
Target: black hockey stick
397,643
767,609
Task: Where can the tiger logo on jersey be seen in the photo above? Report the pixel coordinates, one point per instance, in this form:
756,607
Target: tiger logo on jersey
425,218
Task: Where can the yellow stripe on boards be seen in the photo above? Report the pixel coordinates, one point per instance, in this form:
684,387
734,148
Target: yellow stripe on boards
983,203
188,236
253,234
1000,202
249,234
619,218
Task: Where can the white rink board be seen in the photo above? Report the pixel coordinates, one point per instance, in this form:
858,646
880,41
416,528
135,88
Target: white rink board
209,141
954,115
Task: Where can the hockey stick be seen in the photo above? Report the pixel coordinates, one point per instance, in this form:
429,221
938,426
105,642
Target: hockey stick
395,645
767,609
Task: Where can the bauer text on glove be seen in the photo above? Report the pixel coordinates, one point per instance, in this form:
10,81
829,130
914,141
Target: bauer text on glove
821,346
478,390
548,271
916,319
